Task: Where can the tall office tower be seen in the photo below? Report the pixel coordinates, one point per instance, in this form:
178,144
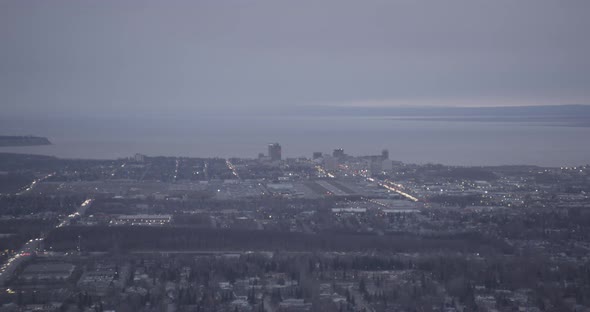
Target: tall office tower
338,153
385,154
317,155
330,162
274,151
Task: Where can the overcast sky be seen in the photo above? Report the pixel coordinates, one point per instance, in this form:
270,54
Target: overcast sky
189,57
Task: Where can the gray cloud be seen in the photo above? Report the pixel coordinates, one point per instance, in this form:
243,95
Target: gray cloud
110,57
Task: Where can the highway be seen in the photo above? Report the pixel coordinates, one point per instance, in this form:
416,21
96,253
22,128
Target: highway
394,188
30,248
22,255
324,172
32,185
79,212
232,168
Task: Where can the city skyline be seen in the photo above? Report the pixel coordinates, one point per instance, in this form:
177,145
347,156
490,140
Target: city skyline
294,156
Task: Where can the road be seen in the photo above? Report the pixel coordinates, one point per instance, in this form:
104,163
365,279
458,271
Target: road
35,182
21,256
394,188
232,168
30,248
323,172
79,212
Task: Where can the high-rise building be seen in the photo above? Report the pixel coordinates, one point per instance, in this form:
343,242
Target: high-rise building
386,165
139,158
274,151
317,155
385,154
375,164
330,162
338,153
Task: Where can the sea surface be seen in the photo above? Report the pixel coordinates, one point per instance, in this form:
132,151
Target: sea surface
448,141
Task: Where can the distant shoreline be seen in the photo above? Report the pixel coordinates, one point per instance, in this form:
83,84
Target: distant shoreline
555,140
43,157
23,140
562,121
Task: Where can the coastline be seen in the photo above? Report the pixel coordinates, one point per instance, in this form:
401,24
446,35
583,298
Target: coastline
13,140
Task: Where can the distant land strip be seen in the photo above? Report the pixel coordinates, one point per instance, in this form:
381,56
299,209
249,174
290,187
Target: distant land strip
563,121
23,140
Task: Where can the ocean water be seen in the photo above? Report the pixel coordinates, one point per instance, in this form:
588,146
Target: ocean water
411,140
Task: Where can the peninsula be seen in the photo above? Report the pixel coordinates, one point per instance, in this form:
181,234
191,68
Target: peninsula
23,140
